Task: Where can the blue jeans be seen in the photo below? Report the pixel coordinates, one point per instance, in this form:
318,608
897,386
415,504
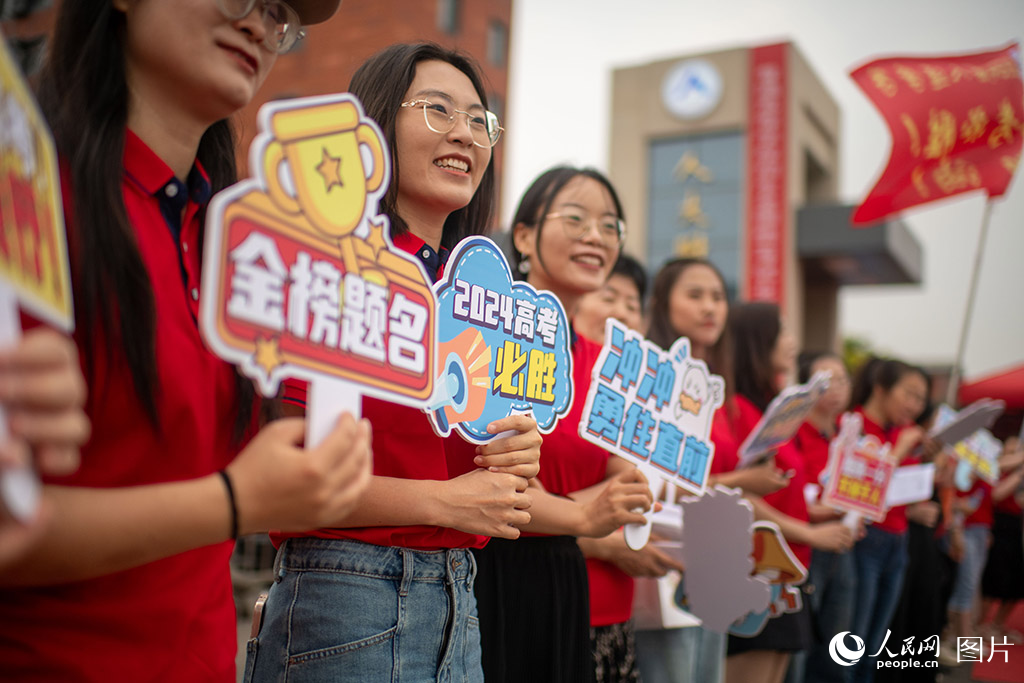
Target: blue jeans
351,611
834,578
968,573
881,559
680,655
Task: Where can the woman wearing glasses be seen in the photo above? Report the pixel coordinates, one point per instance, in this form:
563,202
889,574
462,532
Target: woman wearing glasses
131,580
387,593
534,604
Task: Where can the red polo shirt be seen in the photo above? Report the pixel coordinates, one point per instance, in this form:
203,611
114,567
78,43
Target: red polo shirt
404,446
174,619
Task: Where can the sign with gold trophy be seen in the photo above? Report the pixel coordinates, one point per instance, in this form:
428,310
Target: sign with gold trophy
301,279
34,267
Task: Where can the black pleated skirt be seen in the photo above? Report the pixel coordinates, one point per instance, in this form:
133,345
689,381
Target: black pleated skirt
1004,573
534,611
789,632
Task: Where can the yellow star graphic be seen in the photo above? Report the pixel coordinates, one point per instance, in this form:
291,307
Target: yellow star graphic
376,239
330,170
267,354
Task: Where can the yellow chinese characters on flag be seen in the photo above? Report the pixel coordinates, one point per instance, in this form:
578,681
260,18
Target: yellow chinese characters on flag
33,248
956,125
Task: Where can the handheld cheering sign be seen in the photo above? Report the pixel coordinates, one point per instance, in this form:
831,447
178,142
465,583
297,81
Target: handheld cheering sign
653,408
34,270
782,419
503,347
858,473
302,279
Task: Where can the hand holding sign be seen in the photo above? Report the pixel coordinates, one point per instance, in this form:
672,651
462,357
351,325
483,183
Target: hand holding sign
653,408
782,419
503,347
34,272
858,473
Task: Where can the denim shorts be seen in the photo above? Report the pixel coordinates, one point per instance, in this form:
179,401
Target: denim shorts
968,573
342,610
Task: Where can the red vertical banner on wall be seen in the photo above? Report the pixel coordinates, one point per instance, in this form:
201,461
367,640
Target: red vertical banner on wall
767,205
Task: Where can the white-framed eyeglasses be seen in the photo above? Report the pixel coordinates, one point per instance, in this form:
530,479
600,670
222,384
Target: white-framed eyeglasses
282,24
576,224
483,127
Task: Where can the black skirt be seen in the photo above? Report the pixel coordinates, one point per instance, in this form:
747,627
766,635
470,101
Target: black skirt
534,610
789,632
1004,573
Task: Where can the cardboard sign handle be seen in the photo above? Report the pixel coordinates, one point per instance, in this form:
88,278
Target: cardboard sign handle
20,491
637,535
328,399
851,520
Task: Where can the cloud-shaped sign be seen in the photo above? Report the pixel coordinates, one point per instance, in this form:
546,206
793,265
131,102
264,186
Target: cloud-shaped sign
503,347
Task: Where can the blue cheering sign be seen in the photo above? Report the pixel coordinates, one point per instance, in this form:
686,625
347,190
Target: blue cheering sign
503,347
653,407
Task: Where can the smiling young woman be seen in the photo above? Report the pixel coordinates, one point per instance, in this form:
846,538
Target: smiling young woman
386,593
535,609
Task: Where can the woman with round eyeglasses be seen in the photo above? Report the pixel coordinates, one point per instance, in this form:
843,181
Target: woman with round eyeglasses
130,581
483,124
535,610
387,592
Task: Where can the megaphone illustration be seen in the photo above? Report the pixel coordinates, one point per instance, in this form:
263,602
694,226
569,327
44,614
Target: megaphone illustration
461,390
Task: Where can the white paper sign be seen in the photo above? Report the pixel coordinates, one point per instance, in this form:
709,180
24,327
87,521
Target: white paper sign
910,484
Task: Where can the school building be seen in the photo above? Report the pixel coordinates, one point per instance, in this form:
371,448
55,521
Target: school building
733,155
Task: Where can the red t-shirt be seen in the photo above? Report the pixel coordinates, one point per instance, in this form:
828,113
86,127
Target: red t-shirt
1008,505
405,446
568,464
730,426
173,619
789,500
980,497
813,445
895,521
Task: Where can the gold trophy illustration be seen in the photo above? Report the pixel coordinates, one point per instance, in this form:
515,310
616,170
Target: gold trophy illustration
301,277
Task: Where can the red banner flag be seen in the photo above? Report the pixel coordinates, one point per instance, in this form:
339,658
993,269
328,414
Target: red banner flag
956,125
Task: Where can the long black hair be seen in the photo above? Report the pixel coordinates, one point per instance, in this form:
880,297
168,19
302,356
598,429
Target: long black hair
380,84
755,328
662,333
84,95
538,198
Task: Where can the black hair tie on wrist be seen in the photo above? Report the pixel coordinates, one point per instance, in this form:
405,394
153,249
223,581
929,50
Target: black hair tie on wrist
231,499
